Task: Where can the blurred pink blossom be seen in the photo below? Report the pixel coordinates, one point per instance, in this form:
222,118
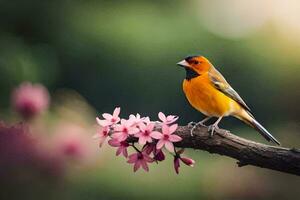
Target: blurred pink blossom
166,138
72,141
20,152
140,159
167,120
30,99
110,119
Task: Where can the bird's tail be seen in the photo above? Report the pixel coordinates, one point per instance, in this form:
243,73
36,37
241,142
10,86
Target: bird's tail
250,120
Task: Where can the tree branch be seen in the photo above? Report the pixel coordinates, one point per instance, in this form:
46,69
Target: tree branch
245,151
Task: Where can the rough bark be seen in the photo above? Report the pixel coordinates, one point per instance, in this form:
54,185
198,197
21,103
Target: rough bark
245,151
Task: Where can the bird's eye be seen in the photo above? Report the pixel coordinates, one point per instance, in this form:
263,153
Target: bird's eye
196,62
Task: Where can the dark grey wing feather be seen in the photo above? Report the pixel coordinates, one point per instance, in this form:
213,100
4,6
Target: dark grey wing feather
221,84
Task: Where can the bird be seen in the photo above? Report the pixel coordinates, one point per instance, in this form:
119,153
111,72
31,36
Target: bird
208,92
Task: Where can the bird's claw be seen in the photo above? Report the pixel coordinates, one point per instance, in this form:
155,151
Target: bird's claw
194,126
211,129
191,124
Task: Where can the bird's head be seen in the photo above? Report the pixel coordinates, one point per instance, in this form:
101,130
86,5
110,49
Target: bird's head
195,66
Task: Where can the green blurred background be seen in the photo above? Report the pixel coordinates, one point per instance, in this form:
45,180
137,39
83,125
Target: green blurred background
124,53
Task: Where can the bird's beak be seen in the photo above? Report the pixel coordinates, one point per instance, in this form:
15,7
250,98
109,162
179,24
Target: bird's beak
183,63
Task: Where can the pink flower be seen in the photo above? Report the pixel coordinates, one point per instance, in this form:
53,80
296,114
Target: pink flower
109,119
137,120
122,147
166,138
30,100
177,158
140,159
145,133
167,120
123,130
102,134
146,120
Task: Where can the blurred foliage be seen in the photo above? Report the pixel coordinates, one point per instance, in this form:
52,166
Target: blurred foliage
124,53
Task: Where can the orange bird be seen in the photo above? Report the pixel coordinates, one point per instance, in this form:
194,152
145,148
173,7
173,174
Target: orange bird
208,92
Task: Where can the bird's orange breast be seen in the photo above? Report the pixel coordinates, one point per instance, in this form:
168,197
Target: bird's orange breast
204,97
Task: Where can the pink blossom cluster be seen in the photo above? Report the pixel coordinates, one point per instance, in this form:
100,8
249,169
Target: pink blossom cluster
30,99
151,136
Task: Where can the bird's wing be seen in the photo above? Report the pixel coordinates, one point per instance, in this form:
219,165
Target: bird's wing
221,84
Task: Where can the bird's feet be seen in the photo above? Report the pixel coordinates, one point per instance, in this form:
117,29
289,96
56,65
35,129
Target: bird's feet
194,125
191,124
212,128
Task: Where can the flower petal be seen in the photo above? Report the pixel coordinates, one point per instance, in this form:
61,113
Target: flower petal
188,161
162,116
156,135
118,128
133,130
142,140
160,144
147,158
175,138
159,156
170,117
142,127
165,129
169,146
173,128
125,153
120,136
123,121
176,165
119,151
116,111
132,158
150,127
145,165
146,120
107,116
137,165
149,139
103,123
149,148
131,116
117,119
114,143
